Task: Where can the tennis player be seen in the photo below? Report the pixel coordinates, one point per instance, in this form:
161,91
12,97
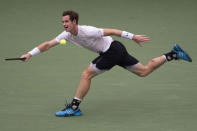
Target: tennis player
111,53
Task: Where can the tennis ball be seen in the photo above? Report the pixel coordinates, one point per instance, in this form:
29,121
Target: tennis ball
62,42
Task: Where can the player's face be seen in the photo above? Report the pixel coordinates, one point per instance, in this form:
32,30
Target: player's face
68,24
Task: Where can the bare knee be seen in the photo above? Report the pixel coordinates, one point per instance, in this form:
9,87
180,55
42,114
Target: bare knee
144,73
85,75
88,74
153,64
149,68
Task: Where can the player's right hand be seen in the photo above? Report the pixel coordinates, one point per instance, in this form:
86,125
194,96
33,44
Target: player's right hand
140,38
27,56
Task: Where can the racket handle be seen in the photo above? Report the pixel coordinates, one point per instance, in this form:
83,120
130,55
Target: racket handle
9,59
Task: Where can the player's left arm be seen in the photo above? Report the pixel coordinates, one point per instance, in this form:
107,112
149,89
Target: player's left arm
137,38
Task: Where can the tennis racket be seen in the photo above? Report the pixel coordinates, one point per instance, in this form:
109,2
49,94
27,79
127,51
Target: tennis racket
11,59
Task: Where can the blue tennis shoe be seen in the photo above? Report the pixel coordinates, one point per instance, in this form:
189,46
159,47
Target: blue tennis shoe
69,111
181,54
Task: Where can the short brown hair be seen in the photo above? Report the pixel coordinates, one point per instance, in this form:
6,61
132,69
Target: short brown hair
73,15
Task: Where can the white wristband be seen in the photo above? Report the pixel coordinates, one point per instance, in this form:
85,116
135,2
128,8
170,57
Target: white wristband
127,35
35,51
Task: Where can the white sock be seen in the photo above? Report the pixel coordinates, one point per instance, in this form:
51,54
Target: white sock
77,98
165,57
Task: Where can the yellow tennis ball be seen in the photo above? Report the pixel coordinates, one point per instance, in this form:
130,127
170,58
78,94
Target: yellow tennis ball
62,42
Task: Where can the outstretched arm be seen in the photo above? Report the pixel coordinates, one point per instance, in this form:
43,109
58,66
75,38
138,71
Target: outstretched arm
137,38
40,48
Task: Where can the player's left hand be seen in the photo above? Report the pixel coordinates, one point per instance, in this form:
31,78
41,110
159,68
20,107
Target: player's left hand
140,38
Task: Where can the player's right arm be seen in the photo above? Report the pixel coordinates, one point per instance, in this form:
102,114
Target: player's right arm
41,48
137,38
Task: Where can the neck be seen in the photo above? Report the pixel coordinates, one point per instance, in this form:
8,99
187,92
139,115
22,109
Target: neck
75,30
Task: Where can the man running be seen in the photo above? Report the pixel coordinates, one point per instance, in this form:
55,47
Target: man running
111,53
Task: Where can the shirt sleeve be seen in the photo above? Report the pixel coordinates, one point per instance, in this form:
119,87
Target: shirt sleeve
63,35
95,32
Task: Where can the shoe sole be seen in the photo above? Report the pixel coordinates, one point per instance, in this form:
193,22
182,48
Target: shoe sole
77,114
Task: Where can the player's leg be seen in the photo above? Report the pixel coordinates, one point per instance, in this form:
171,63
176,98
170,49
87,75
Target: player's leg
144,70
73,109
102,63
85,81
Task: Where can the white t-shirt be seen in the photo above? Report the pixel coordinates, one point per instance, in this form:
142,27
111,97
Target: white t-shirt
88,37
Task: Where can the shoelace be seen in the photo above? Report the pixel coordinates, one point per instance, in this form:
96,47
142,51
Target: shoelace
67,106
